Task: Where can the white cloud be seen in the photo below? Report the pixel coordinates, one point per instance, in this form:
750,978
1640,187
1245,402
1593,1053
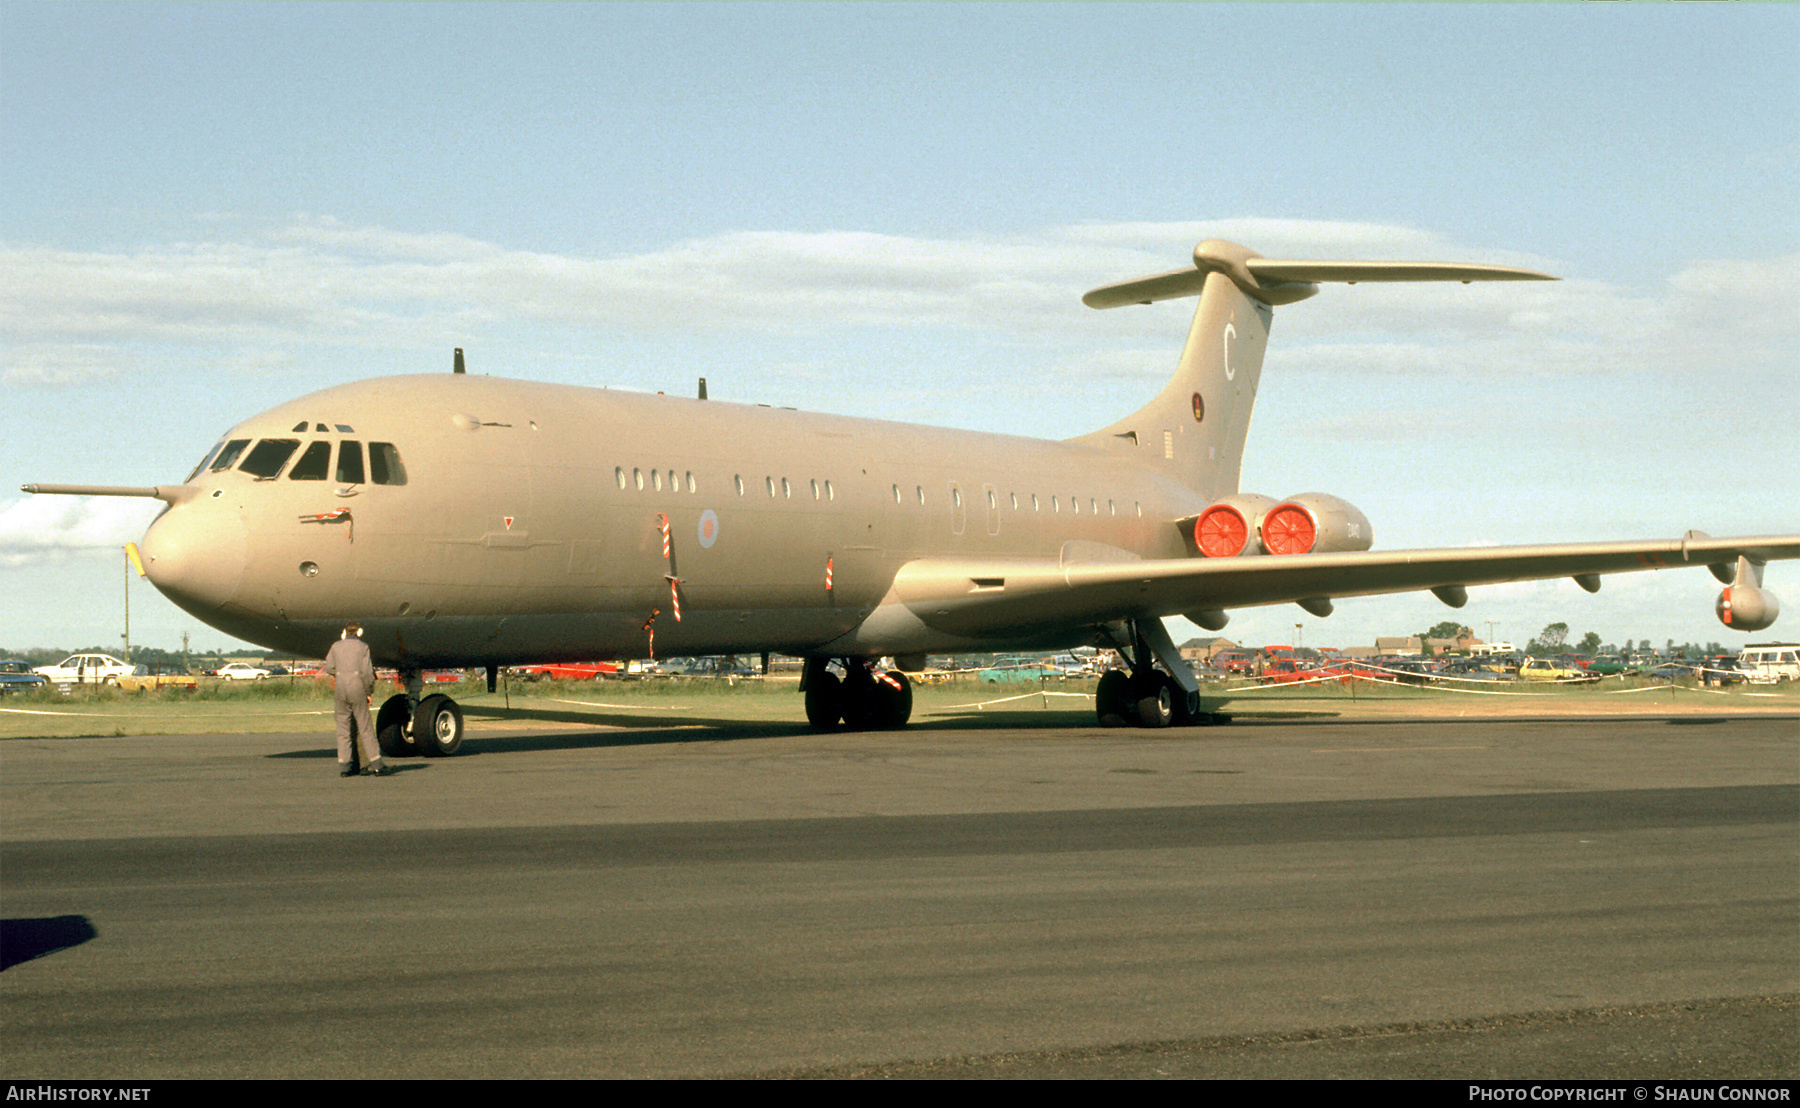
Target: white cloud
319,281
40,528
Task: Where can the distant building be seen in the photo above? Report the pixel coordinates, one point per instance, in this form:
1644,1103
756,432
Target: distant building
1205,650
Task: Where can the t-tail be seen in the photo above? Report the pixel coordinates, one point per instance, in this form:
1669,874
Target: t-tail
1194,430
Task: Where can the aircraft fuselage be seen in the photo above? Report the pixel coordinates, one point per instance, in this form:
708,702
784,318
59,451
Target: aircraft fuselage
529,527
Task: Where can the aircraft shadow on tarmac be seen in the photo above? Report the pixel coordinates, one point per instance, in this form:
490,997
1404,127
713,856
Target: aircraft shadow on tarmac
21,940
626,728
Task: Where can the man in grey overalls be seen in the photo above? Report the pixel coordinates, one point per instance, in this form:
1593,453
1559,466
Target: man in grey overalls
348,663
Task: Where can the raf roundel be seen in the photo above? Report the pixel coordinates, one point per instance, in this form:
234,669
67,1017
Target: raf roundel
709,528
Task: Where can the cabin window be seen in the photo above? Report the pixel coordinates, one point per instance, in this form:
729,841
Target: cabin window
769,483
921,491
229,454
217,445
1015,500
656,480
1055,505
815,487
385,467
1034,502
829,494
1093,506
619,475
738,480
314,463
787,491
896,494
350,463
1075,504
637,478
268,456
692,487
1139,507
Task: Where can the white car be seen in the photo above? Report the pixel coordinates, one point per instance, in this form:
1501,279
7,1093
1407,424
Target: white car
1765,663
90,669
242,671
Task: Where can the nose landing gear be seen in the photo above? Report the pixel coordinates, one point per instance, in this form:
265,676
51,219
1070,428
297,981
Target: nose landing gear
409,725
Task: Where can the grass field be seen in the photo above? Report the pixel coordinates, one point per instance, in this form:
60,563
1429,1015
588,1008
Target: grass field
303,705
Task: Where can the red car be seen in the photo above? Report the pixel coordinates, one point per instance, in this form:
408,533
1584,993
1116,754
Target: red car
1287,671
569,671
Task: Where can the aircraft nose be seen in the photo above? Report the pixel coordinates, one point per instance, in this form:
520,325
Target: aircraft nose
195,557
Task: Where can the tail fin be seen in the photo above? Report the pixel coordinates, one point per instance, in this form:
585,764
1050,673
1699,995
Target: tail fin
1194,431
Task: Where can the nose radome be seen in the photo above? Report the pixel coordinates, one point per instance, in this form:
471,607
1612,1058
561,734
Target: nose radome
195,556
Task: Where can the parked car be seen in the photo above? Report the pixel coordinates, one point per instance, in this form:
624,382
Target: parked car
1606,665
1555,669
1721,671
1019,670
17,676
144,678
568,671
241,671
1288,671
1765,663
90,669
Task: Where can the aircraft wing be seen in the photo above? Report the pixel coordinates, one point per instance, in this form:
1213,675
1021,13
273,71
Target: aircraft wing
983,596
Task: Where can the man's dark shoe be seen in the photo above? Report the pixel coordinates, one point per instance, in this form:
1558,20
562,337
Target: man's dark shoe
378,771
347,770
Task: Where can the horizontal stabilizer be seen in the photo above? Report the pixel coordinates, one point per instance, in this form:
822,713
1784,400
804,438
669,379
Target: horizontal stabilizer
1280,281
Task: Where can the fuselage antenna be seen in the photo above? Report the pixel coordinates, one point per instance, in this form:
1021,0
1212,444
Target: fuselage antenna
703,388
458,368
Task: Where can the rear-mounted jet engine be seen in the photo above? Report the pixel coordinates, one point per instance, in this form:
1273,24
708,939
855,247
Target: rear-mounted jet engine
1312,522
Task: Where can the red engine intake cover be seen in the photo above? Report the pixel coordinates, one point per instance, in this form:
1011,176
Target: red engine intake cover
1289,529
1221,531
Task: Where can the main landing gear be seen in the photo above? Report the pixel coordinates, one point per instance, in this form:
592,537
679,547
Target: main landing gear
1147,696
865,698
410,724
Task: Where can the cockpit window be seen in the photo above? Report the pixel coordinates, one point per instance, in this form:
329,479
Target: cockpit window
203,462
319,427
299,427
314,464
344,429
268,456
384,464
350,467
224,458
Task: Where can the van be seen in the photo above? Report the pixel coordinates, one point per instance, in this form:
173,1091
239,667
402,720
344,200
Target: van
1765,663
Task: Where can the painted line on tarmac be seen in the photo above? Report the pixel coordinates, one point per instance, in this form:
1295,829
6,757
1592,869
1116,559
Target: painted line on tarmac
628,707
1010,699
141,715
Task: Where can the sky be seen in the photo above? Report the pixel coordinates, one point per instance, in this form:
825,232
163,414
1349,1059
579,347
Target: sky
892,210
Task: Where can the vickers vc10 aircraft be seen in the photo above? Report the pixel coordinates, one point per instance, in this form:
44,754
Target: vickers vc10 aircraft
473,521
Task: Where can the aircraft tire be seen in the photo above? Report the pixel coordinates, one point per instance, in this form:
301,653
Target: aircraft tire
1187,704
892,707
438,727
824,699
390,727
1110,700
1156,707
